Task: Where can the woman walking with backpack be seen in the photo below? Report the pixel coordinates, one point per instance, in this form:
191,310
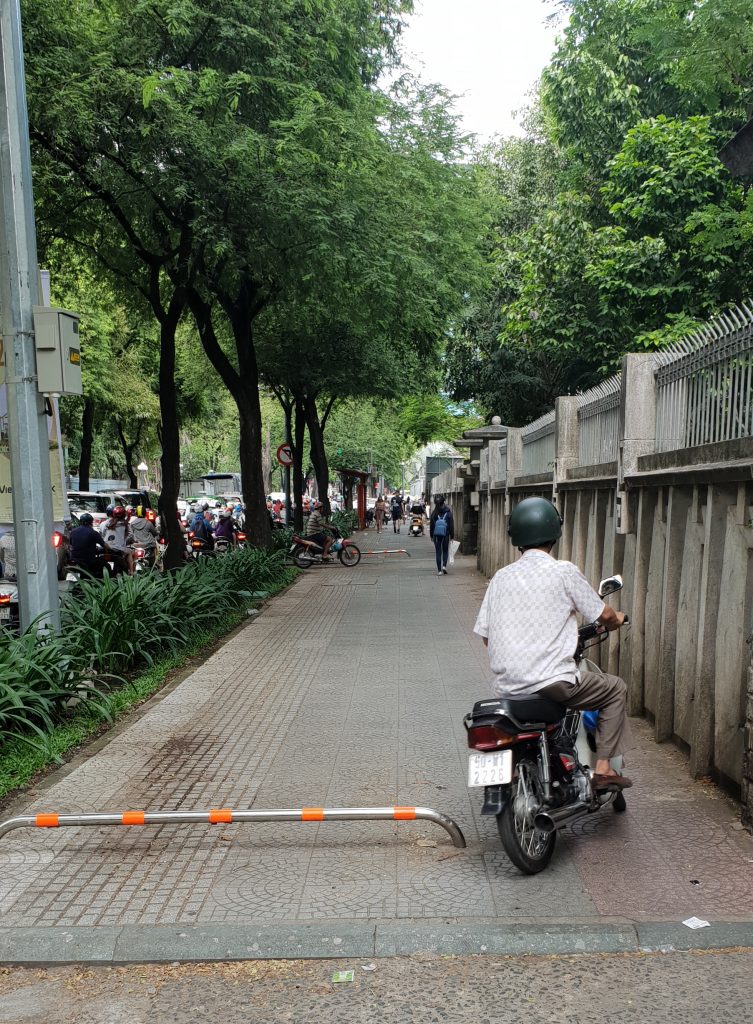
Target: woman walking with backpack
441,531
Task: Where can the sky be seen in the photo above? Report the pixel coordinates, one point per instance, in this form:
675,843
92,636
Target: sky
488,52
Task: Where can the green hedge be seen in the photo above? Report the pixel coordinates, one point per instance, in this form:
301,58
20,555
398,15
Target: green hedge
346,521
115,626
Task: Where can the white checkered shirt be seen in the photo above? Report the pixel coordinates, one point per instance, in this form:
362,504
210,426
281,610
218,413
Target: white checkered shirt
529,615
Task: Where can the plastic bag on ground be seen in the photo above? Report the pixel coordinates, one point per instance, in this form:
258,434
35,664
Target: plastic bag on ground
454,545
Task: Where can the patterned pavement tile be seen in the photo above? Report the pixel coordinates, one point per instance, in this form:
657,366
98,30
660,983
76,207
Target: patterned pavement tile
349,690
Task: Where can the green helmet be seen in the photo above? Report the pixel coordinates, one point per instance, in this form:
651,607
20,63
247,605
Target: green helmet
534,521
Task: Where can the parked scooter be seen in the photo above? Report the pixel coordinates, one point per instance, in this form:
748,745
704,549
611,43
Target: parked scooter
532,757
305,552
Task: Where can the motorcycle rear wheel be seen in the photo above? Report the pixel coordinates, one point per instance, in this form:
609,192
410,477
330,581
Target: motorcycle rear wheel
350,555
302,558
528,848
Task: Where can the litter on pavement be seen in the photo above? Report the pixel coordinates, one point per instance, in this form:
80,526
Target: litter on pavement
696,922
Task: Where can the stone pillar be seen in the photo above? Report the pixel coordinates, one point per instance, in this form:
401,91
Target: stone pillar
719,497
747,786
514,462
677,519
565,438
637,427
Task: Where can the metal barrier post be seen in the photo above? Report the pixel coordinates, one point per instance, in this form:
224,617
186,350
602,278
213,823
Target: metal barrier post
226,816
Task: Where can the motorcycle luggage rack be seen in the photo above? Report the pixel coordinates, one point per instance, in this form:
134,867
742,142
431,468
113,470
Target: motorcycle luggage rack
226,816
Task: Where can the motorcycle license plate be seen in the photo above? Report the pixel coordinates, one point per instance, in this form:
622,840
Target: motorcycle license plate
4,611
493,769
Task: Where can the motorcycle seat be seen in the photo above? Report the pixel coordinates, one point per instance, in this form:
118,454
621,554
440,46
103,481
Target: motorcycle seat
522,711
533,709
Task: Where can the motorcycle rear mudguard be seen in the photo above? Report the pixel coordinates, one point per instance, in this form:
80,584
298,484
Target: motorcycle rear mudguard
496,798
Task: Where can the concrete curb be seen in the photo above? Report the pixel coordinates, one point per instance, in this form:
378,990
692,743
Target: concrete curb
129,944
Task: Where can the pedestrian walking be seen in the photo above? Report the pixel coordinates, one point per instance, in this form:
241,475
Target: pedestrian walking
380,508
396,508
441,531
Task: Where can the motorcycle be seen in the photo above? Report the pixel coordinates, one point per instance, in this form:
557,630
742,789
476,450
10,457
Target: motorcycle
416,526
198,548
533,757
144,558
9,611
305,552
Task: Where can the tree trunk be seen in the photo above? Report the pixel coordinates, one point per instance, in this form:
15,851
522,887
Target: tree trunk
298,478
170,461
128,450
243,385
318,454
87,439
266,460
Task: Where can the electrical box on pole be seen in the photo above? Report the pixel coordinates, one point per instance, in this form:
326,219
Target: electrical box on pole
58,351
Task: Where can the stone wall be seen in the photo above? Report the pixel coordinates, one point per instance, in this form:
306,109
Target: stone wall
679,527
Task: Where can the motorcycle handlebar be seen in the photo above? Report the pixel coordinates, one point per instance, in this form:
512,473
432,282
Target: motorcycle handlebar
595,629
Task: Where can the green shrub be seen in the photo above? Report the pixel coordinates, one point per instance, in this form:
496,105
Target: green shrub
346,521
282,539
39,677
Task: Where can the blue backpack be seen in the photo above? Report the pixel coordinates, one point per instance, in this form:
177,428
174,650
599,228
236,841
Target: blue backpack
440,527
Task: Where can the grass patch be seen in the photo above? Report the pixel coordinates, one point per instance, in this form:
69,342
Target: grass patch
20,762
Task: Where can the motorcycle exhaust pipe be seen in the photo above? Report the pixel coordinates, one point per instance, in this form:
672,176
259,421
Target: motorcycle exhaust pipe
557,817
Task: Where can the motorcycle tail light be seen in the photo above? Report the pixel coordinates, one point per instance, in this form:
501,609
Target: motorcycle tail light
568,763
241,536
57,539
139,552
196,543
4,598
151,515
484,737
161,540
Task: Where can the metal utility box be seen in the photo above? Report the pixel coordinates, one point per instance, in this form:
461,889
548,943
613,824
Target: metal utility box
58,351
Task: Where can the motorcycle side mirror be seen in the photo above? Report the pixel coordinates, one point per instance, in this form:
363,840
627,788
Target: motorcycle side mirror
610,585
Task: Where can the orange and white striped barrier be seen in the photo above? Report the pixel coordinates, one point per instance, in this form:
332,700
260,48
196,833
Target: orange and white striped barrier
225,816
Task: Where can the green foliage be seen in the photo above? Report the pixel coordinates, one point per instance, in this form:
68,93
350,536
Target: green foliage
365,433
613,222
430,417
346,521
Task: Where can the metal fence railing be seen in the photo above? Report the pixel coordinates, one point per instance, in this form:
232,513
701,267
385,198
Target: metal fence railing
538,445
704,384
599,422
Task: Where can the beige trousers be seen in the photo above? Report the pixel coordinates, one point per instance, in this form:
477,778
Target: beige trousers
597,692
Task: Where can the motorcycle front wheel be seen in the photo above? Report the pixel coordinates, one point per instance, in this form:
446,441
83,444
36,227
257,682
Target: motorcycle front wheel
528,848
302,558
350,555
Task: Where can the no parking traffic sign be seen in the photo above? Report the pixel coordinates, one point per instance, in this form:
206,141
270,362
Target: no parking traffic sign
285,455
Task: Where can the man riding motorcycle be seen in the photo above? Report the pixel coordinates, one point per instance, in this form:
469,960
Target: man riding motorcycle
144,532
317,530
86,547
528,622
226,528
117,535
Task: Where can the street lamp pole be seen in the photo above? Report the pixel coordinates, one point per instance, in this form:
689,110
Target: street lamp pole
28,431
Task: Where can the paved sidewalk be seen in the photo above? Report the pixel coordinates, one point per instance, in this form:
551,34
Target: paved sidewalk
350,690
